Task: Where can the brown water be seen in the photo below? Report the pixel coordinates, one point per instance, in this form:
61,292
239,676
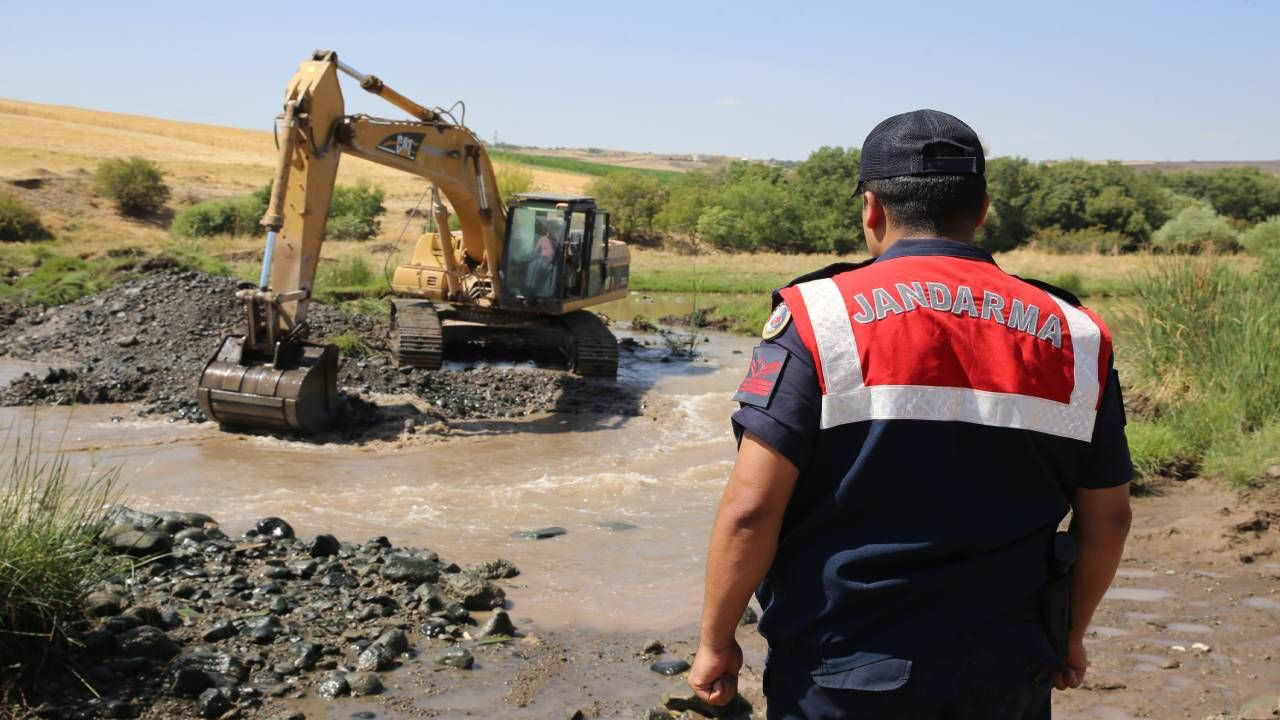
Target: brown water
464,495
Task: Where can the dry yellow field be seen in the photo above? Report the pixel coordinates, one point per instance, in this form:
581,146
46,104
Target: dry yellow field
203,161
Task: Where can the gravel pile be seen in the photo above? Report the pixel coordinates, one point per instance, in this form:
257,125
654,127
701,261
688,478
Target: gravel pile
148,340
220,624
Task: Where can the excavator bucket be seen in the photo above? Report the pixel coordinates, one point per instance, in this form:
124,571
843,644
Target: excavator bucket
297,389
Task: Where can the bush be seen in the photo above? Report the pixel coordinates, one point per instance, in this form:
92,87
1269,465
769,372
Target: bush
233,216
633,201
354,212
1195,229
1263,237
1090,240
19,223
136,185
49,554
513,180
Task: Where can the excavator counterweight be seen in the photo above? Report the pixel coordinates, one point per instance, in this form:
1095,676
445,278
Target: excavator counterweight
526,269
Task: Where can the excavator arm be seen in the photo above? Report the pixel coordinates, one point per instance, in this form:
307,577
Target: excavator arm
272,376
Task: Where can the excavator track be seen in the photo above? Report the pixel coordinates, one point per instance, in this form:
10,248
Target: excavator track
593,350
417,339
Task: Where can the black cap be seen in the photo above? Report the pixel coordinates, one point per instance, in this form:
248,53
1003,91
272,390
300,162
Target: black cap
921,142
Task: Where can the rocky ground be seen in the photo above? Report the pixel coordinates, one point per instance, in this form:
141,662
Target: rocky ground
271,625
147,341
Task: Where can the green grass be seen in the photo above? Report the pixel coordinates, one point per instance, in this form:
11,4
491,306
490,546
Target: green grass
350,344
44,277
574,165
49,554
352,277
1245,460
1207,349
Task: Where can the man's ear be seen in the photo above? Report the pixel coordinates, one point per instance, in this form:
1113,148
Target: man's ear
872,212
982,214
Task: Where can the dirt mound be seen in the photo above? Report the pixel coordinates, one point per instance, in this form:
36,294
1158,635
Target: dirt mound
148,340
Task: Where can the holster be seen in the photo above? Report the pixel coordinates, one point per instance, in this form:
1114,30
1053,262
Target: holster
1055,603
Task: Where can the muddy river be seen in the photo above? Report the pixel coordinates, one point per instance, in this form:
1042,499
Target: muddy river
636,495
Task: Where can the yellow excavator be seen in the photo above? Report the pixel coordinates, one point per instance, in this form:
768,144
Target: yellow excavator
525,270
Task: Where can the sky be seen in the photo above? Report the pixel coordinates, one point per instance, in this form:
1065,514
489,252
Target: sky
1126,80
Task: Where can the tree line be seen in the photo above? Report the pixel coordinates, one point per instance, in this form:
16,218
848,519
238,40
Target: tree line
1072,206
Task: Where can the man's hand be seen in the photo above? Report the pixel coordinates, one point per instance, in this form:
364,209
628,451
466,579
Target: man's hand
1077,664
714,676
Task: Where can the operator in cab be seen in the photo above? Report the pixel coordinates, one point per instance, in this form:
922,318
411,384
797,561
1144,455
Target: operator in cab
912,431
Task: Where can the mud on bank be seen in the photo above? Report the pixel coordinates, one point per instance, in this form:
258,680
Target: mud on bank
147,341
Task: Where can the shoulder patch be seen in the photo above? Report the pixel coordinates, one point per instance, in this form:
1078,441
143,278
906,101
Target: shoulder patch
777,322
757,388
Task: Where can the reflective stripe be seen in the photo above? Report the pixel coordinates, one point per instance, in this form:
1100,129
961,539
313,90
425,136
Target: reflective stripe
833,333
1086,342
918,402
848,400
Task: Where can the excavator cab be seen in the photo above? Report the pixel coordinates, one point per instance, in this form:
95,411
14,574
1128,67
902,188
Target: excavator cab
556,251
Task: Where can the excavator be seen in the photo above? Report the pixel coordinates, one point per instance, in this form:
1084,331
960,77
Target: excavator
526,269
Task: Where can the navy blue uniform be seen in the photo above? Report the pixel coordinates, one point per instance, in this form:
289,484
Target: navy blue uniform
938,449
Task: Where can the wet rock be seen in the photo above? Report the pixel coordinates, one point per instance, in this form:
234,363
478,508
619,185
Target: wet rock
539,534
194,534
185,590
475,593
221,669
220,631
274,528
655,647
188,682
375,658
393,639
456,613
305,654
499,623
123,515
617,526
410,569
669,668
434,627
456,657
333,687
494,569
212,703
364,683
103,604
140,543
148,642
264,630
323,546
681,698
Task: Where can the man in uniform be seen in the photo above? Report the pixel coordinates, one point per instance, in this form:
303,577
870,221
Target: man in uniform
913,429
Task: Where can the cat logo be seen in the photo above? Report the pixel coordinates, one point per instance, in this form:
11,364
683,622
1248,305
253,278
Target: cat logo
403,144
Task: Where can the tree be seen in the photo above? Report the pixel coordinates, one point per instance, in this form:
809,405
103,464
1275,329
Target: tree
1246,194
824,184
754,214
633,201
1011,183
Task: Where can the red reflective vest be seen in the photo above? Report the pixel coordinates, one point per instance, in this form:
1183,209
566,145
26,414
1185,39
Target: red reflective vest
926,337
